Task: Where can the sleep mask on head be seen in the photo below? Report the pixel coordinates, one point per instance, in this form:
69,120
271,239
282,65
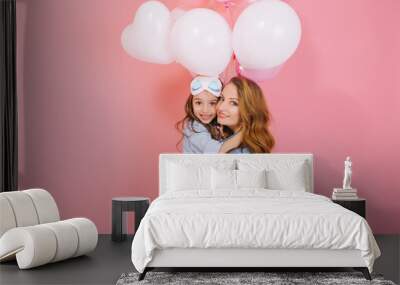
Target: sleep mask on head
208,83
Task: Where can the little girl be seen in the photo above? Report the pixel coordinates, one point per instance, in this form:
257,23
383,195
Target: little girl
199,128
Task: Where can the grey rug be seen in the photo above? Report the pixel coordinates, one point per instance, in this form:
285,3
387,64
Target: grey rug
270,278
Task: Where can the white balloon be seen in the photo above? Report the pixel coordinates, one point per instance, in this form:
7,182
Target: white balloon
266,34
147,38
201,41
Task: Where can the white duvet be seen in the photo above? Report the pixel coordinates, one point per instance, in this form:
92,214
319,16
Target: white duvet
251,218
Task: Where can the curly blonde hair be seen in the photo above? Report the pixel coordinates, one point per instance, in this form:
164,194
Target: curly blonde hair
254,116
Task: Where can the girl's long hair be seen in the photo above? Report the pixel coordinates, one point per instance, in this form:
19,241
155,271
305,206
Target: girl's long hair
254,116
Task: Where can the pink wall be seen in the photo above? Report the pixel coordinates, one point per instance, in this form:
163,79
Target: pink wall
93,120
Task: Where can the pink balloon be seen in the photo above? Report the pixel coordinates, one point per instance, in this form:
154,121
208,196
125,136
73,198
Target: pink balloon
234,2
258,75
226,1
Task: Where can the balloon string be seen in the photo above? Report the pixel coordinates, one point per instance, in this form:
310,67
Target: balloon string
228,6
231,68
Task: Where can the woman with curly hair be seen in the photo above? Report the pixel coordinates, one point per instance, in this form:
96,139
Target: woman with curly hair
242,109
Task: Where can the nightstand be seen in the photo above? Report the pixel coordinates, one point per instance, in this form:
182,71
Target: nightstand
121,205
358,206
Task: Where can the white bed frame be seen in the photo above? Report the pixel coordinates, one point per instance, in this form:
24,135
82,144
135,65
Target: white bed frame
188,257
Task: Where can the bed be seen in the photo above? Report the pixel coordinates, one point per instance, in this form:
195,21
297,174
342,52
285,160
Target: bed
247,210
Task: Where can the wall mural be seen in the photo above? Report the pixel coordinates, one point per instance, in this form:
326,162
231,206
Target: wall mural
227,52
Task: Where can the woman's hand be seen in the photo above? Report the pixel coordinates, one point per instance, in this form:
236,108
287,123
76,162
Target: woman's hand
233,142
237,138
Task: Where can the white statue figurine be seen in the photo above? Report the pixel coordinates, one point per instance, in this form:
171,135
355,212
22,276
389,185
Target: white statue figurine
347,174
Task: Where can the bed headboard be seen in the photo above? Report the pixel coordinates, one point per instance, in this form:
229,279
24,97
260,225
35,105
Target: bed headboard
212,159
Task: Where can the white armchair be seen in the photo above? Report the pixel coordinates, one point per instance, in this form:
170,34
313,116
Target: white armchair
31,230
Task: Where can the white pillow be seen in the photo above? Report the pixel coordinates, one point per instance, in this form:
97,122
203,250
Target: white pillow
288,179
223,179
282,174
181,178
193,173
251,178
237,179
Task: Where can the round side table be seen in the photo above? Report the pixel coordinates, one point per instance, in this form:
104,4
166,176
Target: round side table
121,205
